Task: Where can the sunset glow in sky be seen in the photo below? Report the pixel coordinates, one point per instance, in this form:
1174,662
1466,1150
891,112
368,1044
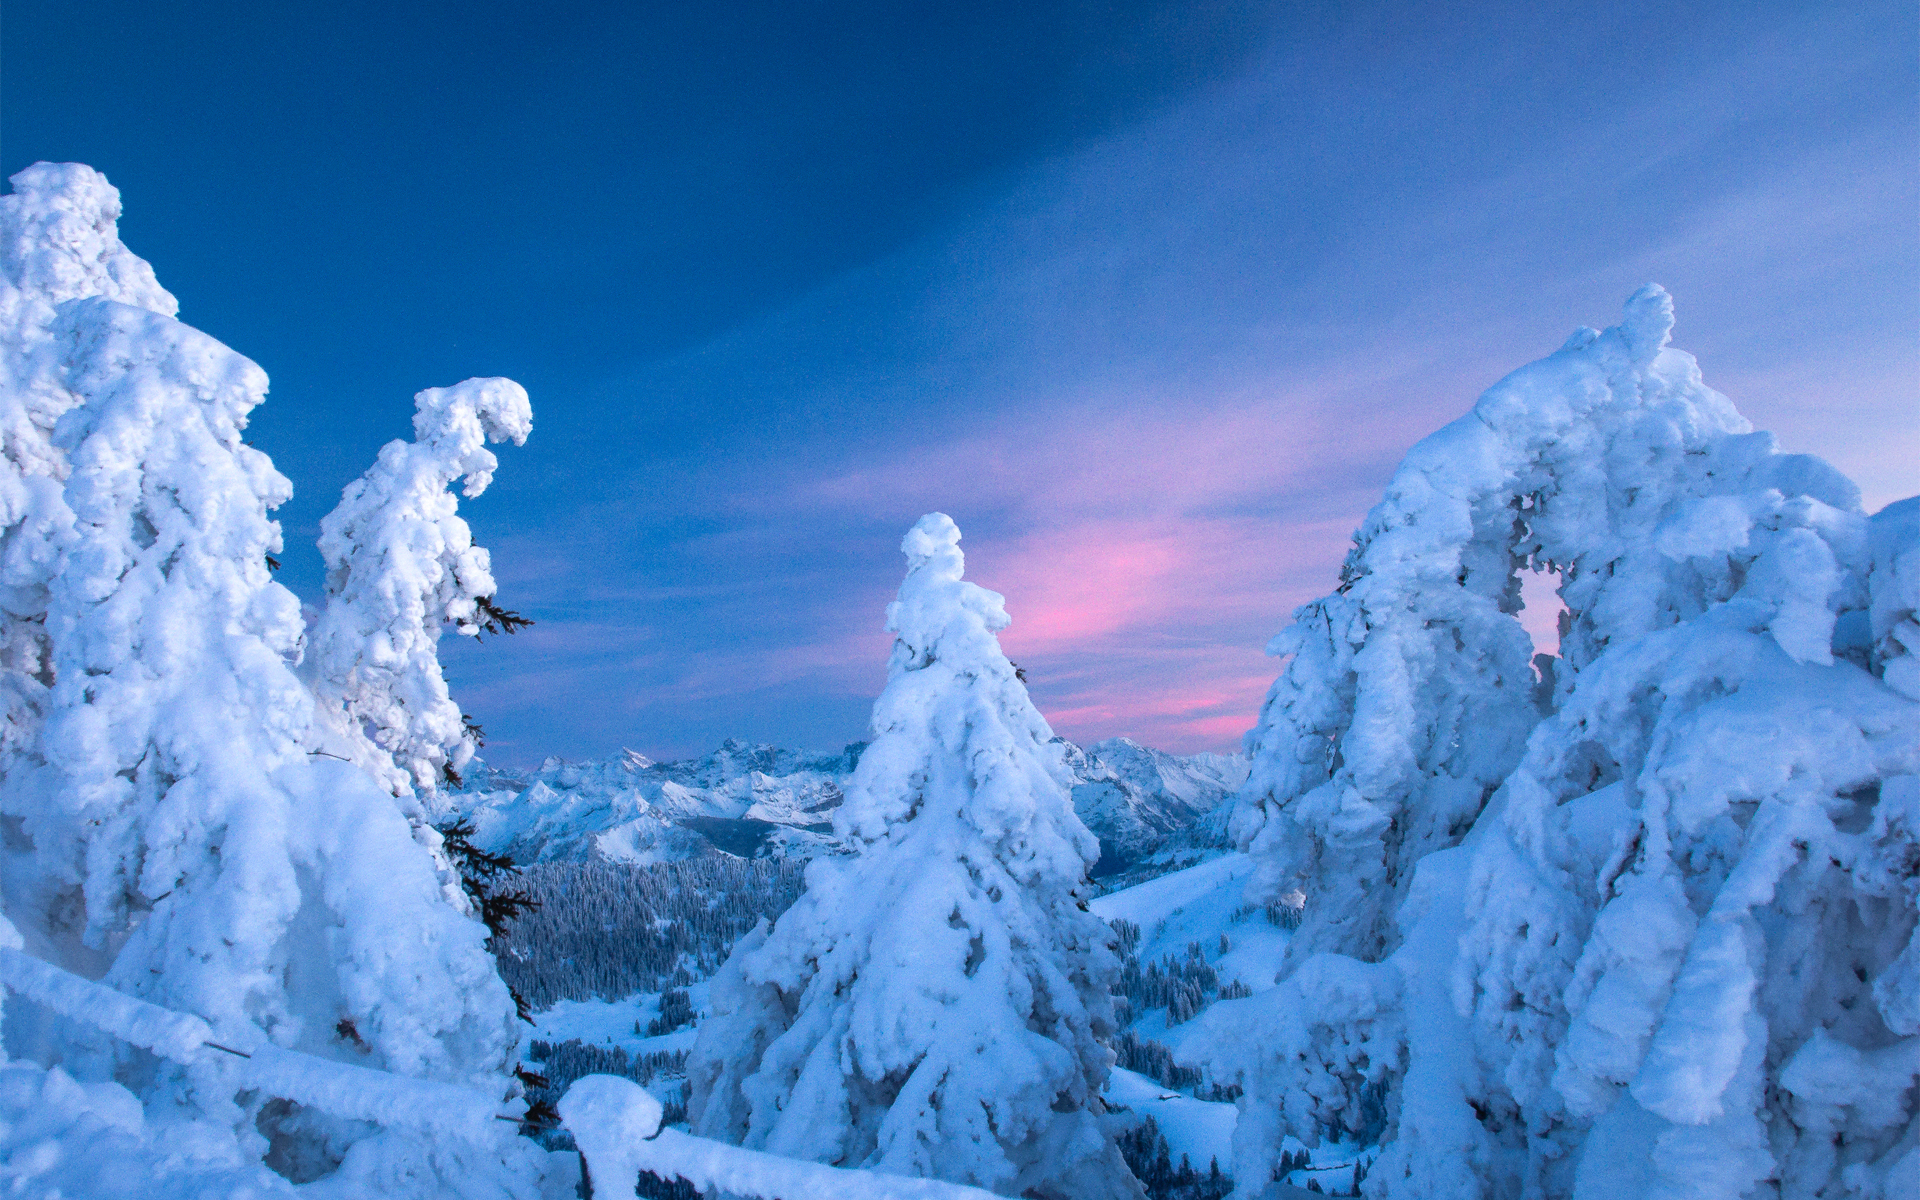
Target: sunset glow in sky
1150,298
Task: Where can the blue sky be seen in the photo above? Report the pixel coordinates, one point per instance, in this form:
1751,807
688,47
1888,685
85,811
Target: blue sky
1149,298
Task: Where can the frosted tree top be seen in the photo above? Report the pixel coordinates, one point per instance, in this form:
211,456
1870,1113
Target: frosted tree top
953,698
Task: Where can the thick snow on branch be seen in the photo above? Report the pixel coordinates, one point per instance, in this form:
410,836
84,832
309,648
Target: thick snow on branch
337,1088
401,566
1673,924
934,1005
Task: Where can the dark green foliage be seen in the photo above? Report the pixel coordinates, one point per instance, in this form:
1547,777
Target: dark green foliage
1178,985
484,877
570,1060
1150,1159
652,1187
675,1010
1289,1163
494,619
1285,916
541,1114
605,931
1155,1061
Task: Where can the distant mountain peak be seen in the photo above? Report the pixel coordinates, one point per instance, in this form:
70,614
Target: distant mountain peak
762,800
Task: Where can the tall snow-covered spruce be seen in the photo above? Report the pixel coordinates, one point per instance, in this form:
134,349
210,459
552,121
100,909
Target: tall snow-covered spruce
168,832
1644,928
933,1005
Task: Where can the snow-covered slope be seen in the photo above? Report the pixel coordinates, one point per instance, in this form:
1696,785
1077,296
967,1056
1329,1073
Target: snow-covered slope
755,801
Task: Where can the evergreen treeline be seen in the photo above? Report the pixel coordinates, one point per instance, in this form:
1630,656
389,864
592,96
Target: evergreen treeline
1148,1057
1151,1161
1289,1162
605,931
676,1009
1177,984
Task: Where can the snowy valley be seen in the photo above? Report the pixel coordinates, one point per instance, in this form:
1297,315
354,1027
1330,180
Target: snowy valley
1632,920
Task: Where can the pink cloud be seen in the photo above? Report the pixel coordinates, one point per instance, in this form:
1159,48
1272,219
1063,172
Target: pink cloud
1149,557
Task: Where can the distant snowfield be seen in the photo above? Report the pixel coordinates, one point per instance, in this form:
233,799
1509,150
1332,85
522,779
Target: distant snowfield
1198,905
617,1024
1200,1129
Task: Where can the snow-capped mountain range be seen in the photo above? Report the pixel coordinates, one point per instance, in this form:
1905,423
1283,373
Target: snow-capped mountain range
757,800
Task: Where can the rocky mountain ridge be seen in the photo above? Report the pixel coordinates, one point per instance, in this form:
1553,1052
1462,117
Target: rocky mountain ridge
765,801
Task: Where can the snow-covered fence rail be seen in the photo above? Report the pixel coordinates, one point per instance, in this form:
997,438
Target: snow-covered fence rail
616,1124
614,1121
339,1088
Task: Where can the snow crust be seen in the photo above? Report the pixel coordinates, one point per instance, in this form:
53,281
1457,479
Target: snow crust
1632,921
934,1005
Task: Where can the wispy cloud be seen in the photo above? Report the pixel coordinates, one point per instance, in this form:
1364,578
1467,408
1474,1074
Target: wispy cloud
1158,382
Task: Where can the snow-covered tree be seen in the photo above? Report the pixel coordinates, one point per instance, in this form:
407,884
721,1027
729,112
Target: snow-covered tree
401,567
168,832
934,1004
1663,959
57,243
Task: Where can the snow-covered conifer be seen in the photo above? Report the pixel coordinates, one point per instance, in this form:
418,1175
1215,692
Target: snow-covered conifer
169,833
401,566
58,242
933,1005
1664,958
